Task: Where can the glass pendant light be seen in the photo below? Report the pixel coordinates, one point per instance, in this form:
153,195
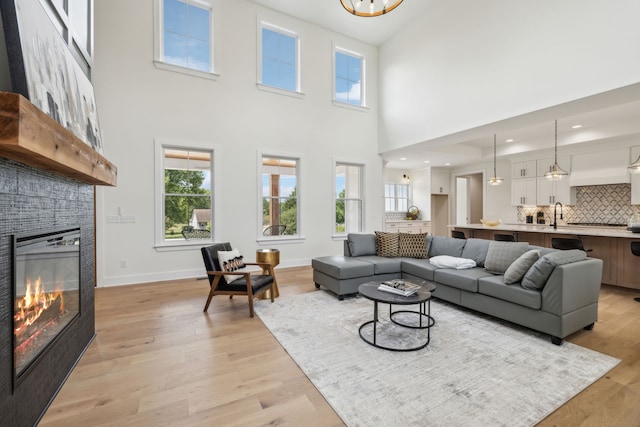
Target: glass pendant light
634,167
495,180
556,171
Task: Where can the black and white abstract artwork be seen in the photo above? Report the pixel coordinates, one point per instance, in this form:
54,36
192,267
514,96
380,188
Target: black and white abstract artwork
45,72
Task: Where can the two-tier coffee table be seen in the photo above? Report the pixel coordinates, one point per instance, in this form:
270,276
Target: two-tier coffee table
424,321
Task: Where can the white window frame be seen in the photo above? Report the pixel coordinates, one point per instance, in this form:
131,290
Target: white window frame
363,92
360,165
291,33
266,240
395,196
159,145
158,40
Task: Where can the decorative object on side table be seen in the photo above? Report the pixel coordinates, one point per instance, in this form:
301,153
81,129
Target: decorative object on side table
491,222
270,256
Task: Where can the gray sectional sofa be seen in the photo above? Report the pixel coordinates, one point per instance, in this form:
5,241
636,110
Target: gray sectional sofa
556,293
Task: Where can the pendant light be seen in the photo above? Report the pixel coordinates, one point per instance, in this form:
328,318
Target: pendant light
634,167
556,171
495,180
374,7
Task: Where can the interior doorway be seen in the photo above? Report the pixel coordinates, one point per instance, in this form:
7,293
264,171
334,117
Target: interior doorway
469,198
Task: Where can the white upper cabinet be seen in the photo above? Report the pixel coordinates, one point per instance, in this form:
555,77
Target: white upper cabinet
439,182
523,169
523,192
600,168
551,192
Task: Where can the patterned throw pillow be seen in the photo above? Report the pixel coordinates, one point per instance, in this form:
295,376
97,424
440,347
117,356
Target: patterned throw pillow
387,244
519,267
231,261
502,254
412,245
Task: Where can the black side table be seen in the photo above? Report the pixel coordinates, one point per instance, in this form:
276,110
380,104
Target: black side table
422,298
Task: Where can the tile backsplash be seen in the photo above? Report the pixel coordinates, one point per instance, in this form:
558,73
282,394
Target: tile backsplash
606,204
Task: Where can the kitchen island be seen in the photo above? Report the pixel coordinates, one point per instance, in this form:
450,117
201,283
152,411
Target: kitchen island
610,244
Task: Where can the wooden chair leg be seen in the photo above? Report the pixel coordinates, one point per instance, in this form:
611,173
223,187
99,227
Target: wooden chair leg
206,306
250,305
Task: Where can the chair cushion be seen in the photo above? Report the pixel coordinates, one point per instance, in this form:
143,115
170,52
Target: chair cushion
258,282
476,249
386,244
516,271
441,245
502,254
412,245
361,244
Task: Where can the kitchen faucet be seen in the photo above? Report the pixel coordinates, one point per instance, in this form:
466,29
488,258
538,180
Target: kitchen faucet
555,221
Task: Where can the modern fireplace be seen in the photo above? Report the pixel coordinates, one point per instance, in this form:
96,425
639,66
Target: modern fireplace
46,298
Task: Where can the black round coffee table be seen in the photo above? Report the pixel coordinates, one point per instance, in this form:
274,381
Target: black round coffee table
422,298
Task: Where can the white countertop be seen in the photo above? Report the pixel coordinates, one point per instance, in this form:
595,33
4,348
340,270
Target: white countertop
581,230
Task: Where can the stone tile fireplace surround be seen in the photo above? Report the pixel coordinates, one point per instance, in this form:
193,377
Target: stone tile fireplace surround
31,201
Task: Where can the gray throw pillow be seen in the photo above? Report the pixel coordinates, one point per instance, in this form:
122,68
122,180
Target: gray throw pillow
517,270
502,254
441,245
476,249
540,271
361,244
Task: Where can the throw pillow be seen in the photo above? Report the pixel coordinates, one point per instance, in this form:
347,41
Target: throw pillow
476,249
412,245
446,261
536,277
361,244
516,271
441,245
502,254
387,244
231,261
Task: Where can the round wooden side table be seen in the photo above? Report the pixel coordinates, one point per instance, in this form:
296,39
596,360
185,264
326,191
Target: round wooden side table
270,256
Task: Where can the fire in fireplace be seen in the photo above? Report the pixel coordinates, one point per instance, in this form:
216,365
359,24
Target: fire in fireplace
46,292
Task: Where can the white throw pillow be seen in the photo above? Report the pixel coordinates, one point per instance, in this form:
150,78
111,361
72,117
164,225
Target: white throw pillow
231,261
447,261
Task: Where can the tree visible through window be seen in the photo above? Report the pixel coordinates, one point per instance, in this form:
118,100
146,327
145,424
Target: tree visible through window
187,193
348,194
279,196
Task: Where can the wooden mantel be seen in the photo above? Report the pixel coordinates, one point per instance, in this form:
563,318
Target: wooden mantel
29,136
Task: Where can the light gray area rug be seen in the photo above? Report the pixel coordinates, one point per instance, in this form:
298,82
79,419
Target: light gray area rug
476,371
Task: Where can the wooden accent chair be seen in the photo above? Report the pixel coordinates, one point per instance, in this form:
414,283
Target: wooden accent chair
251,285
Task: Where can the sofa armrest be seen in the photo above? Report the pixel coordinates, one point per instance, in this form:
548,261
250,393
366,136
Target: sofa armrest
572,286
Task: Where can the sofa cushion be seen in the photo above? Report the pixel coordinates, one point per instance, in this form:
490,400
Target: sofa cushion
441,245
342,267
446,261
461,279
418,267
412,245
536,277
494,286
386,244
502,254
476,249
516,271
361,244
383,265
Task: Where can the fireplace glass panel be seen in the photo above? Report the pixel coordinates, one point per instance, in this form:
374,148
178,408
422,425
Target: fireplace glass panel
46,291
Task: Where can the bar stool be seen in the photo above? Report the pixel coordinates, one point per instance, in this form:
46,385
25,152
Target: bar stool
635,249
504,237
565,244
458,234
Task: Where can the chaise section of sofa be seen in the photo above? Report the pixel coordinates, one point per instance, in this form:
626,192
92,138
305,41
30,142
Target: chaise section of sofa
557,295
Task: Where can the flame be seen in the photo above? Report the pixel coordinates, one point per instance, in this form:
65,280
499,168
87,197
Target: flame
33,304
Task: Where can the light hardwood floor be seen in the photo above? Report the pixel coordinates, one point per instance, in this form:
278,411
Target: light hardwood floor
158,360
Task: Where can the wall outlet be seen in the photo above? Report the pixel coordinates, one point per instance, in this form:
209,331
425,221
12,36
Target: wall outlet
128,219
112,219
124,263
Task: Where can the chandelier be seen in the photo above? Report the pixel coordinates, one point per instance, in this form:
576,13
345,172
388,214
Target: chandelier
373,8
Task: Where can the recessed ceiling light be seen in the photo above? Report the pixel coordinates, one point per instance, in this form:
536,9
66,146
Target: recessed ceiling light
427,161
509,140
403,158
576,126
447,164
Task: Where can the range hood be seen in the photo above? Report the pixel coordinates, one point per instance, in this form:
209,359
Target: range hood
600,168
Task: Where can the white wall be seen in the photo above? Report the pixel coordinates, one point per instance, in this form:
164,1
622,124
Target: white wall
468,63
138,103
